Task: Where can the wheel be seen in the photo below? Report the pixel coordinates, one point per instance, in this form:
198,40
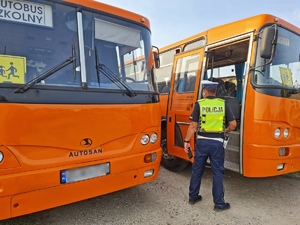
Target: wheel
168,161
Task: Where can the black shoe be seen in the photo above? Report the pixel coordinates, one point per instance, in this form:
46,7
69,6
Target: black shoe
219,209
192,201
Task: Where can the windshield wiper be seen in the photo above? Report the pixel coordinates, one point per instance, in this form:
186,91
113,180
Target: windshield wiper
43,76
74,61
112,77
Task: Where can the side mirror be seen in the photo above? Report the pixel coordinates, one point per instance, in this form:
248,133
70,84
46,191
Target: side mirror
156,58
268,43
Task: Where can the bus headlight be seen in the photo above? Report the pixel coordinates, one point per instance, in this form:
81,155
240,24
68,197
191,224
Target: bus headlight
153,138
1,157
277,133
286,133
145,139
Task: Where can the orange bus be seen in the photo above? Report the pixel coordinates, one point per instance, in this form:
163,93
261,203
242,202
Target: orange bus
256,63
74,125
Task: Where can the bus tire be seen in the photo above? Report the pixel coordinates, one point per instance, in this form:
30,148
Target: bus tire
170,162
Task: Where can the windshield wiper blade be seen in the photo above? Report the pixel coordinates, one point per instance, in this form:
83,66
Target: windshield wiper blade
111,76
97,62
43,76
117,81
74,61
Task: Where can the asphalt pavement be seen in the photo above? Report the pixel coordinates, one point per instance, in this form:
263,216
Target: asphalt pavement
274,200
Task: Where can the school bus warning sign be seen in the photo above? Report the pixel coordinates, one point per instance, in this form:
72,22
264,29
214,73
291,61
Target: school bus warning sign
286,76
12,69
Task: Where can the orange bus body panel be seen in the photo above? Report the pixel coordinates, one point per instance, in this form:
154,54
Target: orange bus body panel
123,176
163,101
263,115
245,25
42,130
112,10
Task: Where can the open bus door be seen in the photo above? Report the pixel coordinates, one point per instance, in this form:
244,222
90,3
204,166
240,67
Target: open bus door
183,95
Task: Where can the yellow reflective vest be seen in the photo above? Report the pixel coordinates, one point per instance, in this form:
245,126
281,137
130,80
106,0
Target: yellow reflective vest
212,115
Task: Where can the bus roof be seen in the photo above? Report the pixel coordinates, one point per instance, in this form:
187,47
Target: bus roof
231,29
112,10
246,25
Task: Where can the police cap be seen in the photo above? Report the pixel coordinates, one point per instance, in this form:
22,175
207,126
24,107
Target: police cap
209,84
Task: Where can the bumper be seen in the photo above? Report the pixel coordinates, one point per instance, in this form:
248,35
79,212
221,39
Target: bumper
30,192
262,160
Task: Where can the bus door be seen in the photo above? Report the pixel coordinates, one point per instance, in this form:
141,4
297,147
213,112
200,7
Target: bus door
183,95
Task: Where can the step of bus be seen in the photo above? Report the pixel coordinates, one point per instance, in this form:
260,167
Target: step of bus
234,138
232,158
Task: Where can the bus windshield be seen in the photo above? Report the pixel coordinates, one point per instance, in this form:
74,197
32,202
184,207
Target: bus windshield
120,46
284,71
37,46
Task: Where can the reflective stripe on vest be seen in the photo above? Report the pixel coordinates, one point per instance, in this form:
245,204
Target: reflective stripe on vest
212,115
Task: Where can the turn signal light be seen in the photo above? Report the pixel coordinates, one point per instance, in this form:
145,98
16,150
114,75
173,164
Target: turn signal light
150,157
283,151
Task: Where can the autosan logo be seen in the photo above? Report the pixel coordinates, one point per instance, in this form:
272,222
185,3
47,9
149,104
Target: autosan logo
86,142
85,152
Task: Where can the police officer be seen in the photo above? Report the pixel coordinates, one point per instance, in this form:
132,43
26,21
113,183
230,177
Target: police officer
208,118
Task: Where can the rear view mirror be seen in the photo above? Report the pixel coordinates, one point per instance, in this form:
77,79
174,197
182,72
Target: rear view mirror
156,58
268,42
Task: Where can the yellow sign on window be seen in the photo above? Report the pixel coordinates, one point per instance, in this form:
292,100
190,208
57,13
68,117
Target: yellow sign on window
286,76
12,69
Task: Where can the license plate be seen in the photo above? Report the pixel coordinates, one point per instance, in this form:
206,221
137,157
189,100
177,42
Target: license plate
84,173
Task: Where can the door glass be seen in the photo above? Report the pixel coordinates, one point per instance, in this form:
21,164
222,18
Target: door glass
186,71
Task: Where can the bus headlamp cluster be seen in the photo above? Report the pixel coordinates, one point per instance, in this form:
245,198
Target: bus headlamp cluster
1,157
285,132
277,132
146,138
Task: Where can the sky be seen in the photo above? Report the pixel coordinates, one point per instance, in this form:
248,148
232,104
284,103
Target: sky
174,20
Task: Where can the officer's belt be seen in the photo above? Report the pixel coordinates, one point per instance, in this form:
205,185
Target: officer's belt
202,133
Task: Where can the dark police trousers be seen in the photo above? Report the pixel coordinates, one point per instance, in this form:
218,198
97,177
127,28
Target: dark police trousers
213,150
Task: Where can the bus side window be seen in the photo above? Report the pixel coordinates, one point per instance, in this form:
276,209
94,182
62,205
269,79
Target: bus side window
165,89
191,83
186,84
181,83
